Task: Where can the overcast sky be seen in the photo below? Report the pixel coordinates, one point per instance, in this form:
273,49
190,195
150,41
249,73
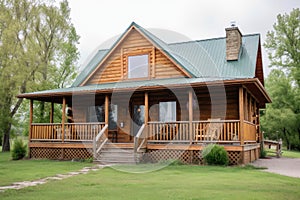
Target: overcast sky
97,21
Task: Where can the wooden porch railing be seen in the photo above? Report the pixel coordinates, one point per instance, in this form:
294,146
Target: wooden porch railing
73,131
220,130
167,131
249,132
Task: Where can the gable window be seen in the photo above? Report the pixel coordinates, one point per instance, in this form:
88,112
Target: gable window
138,66
167,111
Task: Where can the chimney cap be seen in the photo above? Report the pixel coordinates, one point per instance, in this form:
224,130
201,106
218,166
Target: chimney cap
232,23
233,28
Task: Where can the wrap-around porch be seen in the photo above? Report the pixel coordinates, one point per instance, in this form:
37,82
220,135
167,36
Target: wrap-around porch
190,128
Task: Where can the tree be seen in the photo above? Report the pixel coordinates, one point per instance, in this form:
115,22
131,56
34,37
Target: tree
283,44
283,83
279,119
37,51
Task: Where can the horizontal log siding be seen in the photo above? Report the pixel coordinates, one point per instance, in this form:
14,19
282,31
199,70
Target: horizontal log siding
208,99
114,69
164,68
111,72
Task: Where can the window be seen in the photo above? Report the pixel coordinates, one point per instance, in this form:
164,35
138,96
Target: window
97,114
138,66
113,117
167,111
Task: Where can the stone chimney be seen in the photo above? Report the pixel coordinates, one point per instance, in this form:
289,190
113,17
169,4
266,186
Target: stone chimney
233,43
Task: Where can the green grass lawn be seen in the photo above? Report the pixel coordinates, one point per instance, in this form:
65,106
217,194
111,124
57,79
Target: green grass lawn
285,153
25,170
291,154
173,182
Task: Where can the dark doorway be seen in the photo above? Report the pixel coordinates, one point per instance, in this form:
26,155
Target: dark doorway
138,118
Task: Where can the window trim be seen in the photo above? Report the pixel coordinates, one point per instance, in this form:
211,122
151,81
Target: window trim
149,65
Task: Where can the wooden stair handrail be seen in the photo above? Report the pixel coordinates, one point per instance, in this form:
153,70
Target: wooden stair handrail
137,137
98,136
101,132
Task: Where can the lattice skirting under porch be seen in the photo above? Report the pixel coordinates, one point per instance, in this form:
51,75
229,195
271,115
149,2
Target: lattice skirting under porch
60,153
187,156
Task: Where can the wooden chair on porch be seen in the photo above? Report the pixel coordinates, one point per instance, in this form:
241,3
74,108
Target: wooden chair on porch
210,132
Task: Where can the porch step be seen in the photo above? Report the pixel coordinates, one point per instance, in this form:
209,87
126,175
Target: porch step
118,153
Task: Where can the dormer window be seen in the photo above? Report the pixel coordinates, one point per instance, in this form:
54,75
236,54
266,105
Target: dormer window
138,66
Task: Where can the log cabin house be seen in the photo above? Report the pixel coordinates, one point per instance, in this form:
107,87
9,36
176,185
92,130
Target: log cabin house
147,100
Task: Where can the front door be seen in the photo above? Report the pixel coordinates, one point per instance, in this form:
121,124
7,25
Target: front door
138,118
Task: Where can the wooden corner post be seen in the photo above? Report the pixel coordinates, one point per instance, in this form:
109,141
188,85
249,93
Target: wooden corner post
191,115
146,112
63,119
30,125
241,113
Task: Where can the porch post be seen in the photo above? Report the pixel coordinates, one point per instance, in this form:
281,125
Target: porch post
106,113
106,109
63,119
30,119
146,112
191,115
241,112
146,107
51,112
30,125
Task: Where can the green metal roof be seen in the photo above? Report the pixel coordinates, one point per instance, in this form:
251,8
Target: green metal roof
207,58
90,66
201,58
126,85
204,60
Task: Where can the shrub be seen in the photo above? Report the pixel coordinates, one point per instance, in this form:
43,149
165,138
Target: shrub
263,153
215,155
19,149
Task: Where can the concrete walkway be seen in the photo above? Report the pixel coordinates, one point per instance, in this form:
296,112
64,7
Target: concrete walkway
284,166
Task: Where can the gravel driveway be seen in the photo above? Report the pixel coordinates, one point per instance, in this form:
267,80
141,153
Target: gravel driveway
284,166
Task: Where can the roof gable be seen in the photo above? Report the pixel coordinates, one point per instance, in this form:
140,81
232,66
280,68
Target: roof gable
103,55
202,58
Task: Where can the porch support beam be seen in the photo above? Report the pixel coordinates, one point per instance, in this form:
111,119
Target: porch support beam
30,125
241,112
106,109
146,113
51,112
63,119
190,115
106,117
146,108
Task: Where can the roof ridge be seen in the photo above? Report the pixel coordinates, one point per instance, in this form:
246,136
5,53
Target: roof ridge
207,39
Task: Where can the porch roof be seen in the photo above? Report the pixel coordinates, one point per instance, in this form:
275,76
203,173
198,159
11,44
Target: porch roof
56,95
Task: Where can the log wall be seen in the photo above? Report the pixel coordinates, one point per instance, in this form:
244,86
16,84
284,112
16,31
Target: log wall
115,67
